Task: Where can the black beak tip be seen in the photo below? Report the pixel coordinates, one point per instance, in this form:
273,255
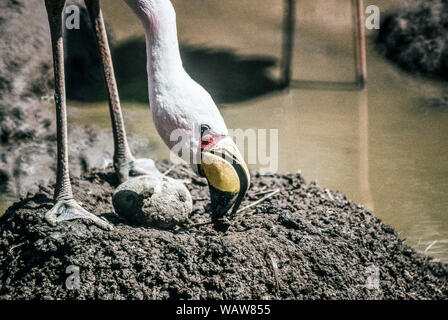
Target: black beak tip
221,202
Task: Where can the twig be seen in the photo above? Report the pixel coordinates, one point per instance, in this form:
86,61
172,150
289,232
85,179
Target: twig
170,169
258,201
185,171
430,246
184,181
259,193
275,268
16,246
200,199
329,194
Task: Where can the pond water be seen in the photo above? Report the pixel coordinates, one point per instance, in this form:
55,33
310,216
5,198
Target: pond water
385,147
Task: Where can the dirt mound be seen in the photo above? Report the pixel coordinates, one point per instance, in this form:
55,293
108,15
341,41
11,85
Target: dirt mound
303,242
415,36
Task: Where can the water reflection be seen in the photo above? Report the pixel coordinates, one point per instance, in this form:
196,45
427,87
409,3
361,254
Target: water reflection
363,150
325,85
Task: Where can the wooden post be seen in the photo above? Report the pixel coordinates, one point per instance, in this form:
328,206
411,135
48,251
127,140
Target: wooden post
359,42
288,41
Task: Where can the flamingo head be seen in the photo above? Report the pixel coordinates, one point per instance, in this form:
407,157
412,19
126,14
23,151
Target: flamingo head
225,170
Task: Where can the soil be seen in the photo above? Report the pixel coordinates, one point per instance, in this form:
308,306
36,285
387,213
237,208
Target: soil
415,35
304,242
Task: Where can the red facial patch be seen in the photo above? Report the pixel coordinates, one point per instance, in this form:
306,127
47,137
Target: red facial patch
207,141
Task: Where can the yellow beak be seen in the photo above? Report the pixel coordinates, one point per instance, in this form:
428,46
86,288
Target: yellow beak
227,175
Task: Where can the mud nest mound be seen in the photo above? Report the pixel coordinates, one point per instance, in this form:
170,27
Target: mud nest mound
304,242
415,36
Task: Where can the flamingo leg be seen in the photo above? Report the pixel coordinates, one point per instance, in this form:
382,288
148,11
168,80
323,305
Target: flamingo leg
124,163
65,208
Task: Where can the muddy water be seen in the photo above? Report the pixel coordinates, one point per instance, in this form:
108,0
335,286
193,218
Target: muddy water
384,146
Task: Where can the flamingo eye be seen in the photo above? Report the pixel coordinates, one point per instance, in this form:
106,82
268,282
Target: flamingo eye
204,129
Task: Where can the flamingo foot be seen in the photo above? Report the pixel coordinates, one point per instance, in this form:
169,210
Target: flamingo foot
135,168
67,210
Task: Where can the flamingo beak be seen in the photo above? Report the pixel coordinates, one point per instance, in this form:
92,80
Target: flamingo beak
227,175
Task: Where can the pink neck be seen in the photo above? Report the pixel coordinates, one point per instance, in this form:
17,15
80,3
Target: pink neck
159,21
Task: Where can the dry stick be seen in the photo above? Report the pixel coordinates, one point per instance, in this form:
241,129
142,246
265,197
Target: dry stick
329,194
16,246
430,246
261,192
258,201
170,169
275,268
185,171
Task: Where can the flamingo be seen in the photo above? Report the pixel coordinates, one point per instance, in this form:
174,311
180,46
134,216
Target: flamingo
178,105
